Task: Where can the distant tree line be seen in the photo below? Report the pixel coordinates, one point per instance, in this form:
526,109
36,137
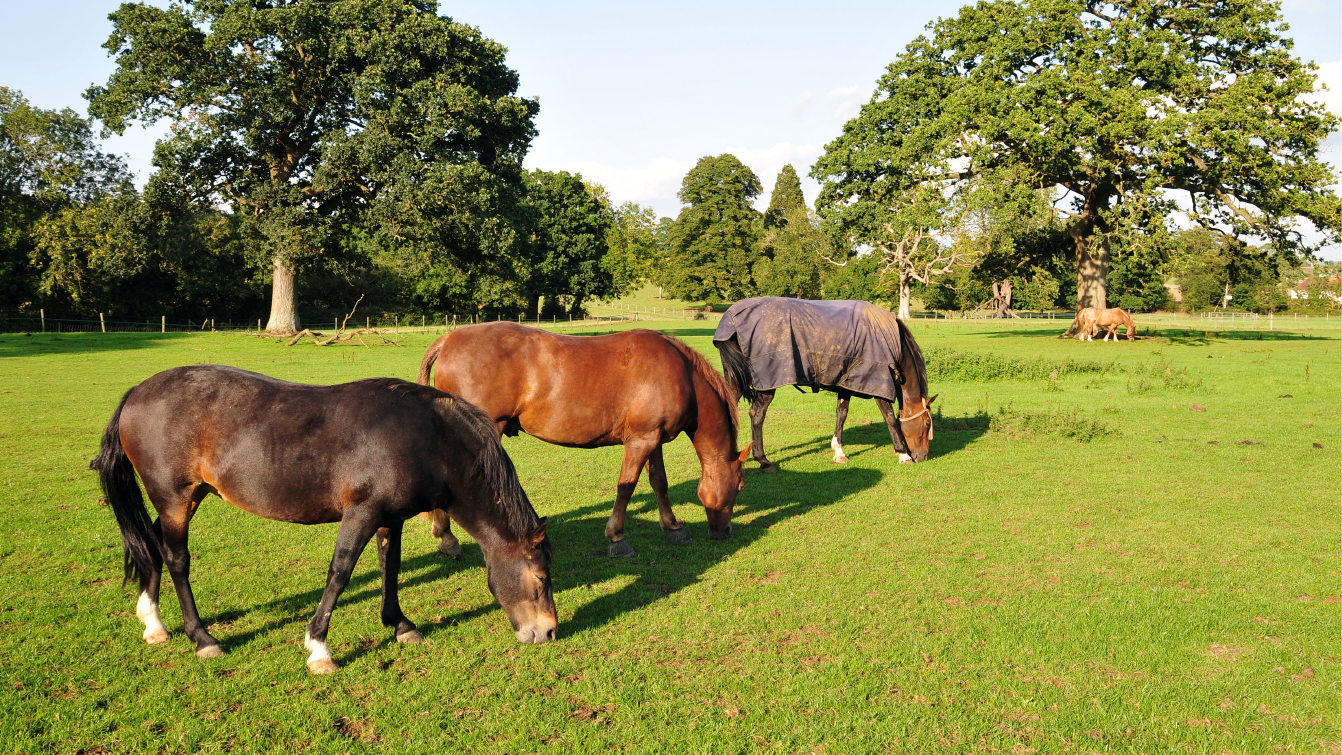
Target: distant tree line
319,152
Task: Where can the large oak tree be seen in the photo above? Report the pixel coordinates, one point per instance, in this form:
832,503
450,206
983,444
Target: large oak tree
320,122
1125,104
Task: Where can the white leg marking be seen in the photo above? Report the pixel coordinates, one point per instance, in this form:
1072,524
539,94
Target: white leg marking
319,661
146,611
905,459
839,456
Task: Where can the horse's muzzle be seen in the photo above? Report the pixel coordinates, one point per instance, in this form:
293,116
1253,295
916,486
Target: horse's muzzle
537,633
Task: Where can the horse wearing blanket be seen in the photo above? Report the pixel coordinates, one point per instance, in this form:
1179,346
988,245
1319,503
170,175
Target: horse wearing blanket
852,348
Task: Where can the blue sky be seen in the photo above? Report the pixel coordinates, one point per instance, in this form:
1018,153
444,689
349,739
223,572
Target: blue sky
633,94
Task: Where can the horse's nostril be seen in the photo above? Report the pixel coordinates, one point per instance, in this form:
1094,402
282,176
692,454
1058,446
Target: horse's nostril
550,634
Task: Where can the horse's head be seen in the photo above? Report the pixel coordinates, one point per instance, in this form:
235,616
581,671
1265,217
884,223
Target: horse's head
717,491
916,423
519,578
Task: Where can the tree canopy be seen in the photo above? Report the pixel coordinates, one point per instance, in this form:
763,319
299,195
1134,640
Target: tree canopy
331,126
571,221
1126,105
712,242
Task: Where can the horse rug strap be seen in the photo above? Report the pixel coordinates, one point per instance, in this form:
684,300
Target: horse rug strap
852,345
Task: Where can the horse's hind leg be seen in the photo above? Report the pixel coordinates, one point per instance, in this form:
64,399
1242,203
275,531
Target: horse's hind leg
389,559
840,417
674,528
636,453
758,408
442,528
173,523
146,608
357,527
891,418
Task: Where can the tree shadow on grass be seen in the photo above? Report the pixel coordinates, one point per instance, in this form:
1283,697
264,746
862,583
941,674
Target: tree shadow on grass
17,345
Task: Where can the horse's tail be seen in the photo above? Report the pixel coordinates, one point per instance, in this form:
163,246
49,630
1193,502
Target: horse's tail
117,475
426,363
735,368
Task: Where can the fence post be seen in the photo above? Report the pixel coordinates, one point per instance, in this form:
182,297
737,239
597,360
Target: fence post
102,322
43,314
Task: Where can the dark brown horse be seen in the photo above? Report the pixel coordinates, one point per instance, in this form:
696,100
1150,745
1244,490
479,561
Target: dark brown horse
367,454
638,389
852,348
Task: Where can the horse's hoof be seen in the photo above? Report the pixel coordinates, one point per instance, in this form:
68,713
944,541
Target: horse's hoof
840,459
451,551
412,637
323,666
621,549
210,651
768,467
156,637
678,535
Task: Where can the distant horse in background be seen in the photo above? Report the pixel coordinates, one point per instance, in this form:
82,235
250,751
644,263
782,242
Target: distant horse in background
852,348
1091,319
367,454
639,389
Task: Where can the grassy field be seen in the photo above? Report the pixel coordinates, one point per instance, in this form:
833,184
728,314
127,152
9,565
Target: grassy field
1114,548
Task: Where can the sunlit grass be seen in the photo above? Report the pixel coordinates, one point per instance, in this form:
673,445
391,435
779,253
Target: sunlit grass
1170,584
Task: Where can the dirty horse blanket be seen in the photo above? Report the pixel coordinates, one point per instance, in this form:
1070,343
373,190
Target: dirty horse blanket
852,345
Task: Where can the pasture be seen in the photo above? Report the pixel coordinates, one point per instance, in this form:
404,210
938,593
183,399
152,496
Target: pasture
1126,547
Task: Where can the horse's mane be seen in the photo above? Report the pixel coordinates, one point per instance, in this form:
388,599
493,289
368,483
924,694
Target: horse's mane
491,463
910,348
711,376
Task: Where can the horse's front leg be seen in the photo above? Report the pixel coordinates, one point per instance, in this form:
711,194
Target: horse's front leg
758,408
389,560
840,417
891,417
674,528
636,453
357,527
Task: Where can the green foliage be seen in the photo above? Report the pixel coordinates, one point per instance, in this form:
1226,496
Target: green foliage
1205,262
712,242
317,120
1114,103
785,199
1136,285
634,248
1039,292
568,241
1144,378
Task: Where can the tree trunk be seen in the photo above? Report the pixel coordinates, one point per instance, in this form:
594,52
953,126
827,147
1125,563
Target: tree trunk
1092,260
283,316
904,294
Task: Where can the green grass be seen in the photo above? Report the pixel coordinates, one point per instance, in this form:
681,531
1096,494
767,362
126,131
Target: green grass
1170,584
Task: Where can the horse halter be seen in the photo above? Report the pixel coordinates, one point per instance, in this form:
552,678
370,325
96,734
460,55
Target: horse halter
915,416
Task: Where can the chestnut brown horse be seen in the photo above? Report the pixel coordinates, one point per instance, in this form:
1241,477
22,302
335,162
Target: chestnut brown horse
638,389
1092,319
367,454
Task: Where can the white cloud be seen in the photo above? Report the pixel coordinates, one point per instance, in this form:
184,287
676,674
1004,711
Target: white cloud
1330,75
654,183
846,102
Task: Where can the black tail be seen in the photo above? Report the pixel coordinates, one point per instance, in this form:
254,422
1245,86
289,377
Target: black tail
735,368
142,553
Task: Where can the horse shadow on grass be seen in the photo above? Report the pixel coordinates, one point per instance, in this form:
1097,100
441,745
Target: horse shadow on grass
952,434
659,569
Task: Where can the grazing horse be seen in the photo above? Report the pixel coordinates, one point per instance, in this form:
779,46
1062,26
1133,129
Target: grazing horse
367,454
1091,319
638,389
852,348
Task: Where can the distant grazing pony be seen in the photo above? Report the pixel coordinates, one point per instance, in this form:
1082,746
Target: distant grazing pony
367,454
1091,319
638,389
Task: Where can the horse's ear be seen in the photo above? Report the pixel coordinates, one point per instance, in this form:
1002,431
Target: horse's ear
538,534
745,453
929,401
